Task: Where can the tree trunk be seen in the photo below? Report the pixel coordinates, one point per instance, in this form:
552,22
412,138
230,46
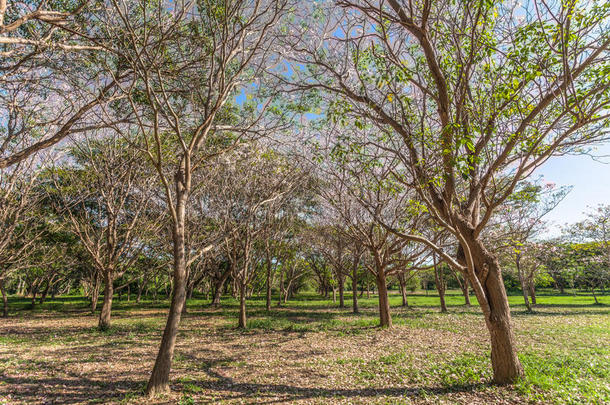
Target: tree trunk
268,292
104,321
34,292
279,302
95,293
43,296
288,293
341,291
334,294
494,303
218,286
440,284
4,300
403,289
242,307
532,289
355,308
522,282
159,378
385,319
594,296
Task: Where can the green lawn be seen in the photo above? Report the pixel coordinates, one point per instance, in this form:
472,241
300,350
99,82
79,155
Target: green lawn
308,351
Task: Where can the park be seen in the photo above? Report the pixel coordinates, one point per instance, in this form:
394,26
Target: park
282,201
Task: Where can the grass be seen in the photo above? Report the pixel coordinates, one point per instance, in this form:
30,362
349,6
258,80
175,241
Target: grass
309,351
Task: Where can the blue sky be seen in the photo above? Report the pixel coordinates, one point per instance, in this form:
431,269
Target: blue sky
590,179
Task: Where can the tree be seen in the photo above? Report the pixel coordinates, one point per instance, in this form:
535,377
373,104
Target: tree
471,97
252,188
107,197
369,204
189,61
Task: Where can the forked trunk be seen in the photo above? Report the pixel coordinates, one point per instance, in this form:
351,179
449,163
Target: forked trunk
532,289
242,307
385,319
219,285
104,321
159,378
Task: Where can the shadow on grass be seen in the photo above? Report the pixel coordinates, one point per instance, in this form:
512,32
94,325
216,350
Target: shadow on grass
76,390
226,388
65,390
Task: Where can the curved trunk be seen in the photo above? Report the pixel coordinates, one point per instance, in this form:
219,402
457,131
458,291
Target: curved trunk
494,302
104,321
159,378
385,319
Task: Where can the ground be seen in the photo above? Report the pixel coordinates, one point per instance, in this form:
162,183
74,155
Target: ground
307,352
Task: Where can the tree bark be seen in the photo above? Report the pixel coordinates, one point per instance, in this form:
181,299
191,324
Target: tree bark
159,378
218,286
279,302
104,321
355,308
268,292
532,289
242,307
494,303
385,318
95,293
403,289
4,300
341,291
440,284
522,282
